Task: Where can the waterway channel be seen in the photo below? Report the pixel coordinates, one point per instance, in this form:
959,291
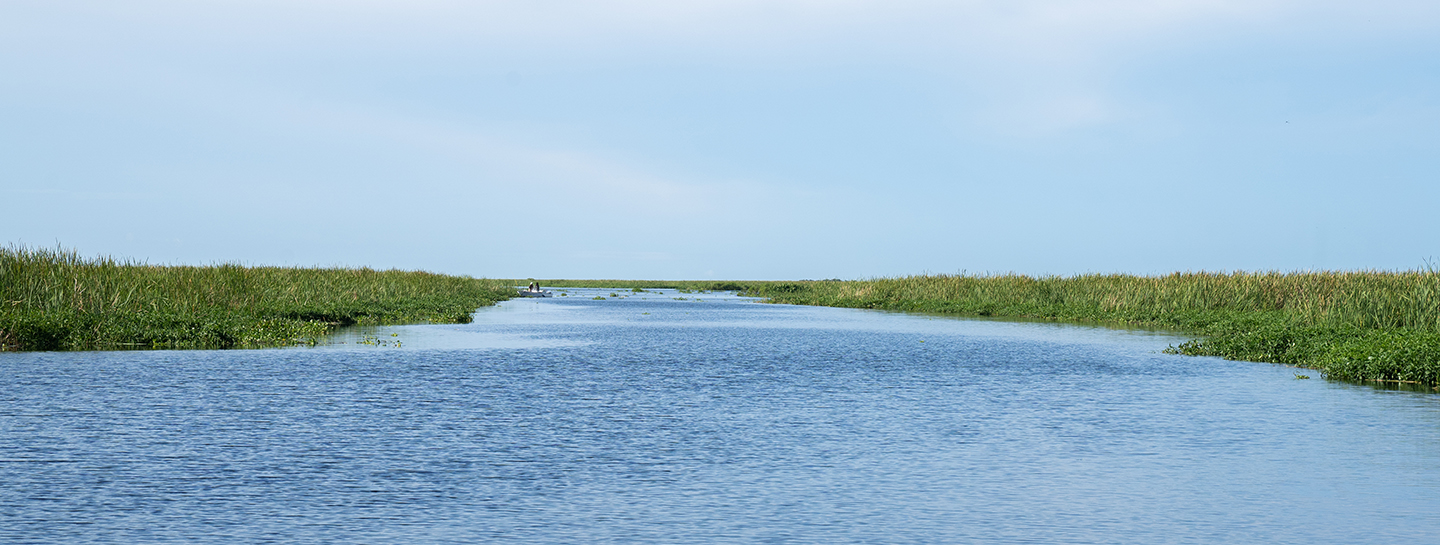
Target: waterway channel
667,417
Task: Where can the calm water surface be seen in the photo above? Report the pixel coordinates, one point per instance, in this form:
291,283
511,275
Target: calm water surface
651,419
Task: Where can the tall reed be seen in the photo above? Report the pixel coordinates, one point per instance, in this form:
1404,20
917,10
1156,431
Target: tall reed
54,299
1361,325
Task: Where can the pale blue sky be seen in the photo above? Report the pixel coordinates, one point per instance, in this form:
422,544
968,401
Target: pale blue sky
738,140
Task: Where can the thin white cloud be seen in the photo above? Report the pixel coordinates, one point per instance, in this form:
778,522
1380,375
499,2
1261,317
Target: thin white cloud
497,164
1041,65
1029,28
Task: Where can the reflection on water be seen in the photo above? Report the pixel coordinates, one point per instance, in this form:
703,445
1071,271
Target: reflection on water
652,418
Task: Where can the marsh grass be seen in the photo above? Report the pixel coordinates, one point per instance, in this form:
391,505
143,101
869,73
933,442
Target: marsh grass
1364,325
57,300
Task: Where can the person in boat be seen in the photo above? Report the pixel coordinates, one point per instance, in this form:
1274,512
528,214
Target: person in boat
531,287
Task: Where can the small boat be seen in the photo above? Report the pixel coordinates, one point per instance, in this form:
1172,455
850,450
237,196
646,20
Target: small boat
535,292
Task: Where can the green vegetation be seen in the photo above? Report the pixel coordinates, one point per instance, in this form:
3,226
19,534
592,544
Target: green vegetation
1371,325
56,300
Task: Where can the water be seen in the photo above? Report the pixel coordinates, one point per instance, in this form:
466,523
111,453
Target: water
651,419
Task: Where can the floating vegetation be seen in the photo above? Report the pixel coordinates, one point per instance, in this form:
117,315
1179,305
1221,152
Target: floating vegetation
57,300
598,297
371,340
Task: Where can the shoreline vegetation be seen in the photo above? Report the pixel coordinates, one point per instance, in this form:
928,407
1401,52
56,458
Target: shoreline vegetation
56,300
1358,326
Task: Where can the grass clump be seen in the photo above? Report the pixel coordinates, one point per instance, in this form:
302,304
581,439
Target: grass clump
56,300
1364,325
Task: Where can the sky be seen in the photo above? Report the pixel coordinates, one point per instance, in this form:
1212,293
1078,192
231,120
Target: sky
778,139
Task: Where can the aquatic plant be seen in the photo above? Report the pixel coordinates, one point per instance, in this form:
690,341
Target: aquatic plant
372,340
57,300
1360,325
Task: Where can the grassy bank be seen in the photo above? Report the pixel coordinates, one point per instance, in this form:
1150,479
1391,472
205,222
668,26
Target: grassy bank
1349,325
56,300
